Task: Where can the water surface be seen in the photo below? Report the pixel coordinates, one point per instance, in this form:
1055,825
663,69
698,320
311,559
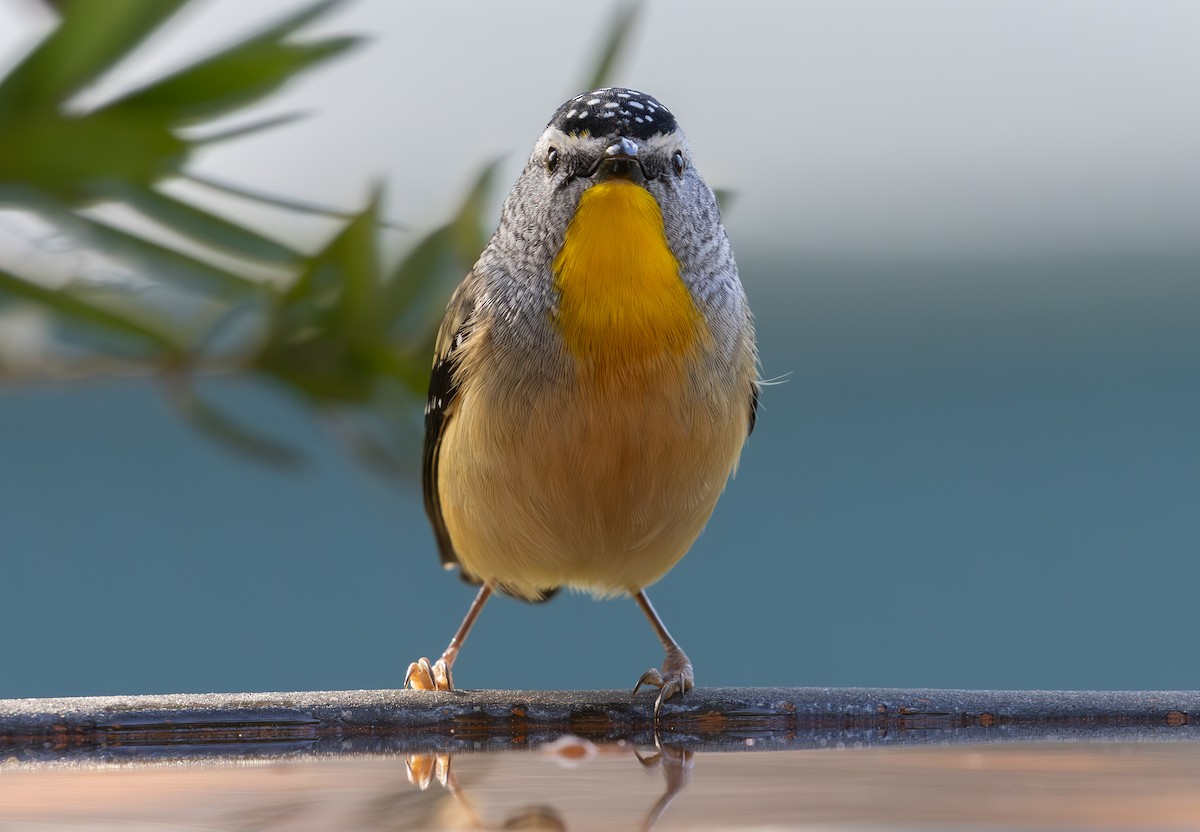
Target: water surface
574,784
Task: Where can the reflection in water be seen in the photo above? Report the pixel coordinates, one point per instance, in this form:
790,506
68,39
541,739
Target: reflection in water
573,784
675,763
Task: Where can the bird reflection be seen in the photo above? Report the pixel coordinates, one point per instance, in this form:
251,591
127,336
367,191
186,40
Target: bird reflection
676,764
425,769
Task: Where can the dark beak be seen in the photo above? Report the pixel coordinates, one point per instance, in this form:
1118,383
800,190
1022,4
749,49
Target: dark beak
620,160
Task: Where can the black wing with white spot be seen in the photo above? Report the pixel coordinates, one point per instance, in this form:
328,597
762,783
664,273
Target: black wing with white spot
440,404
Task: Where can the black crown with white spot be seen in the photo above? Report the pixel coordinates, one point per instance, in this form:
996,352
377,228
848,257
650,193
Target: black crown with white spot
614,111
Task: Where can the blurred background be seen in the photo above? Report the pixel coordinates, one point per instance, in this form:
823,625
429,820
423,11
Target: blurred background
970,232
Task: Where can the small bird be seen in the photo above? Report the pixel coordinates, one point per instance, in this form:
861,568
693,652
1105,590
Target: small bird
595,376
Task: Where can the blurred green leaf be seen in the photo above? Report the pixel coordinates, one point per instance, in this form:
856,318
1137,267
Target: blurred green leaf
132,143
76,309
230,81
326,339
437,262
614,43
203,227
351,337
239,75
298,205
158,262
67,158
469,232
154,261
338,284
91,38
247,129
431,261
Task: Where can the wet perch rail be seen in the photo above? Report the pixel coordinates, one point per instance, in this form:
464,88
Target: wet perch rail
271,724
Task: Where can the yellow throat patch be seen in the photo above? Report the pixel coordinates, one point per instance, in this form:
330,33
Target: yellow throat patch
621,297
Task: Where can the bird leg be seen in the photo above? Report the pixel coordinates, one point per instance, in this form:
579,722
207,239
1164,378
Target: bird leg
422,675
676,764
676,675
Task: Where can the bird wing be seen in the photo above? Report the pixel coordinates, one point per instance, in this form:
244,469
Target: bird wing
439,406
753,408
456,328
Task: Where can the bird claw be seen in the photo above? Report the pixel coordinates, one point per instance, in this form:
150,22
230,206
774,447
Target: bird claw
422,675
665,756
675,679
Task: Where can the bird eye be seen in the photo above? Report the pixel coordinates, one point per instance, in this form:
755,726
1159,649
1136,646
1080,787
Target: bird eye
677,161
552,159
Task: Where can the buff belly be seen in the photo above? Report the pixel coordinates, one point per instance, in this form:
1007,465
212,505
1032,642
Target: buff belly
603,491
600,475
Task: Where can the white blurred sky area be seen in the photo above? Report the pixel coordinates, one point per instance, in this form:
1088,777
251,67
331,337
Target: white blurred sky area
864,129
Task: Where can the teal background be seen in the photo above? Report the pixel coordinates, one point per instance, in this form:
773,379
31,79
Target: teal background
971,236
976,475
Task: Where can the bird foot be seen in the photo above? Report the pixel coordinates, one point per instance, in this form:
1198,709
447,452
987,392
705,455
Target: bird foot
675,678
422,675
423,769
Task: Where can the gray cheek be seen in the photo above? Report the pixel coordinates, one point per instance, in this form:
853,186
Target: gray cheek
518,260
693,227
526,233
692,222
